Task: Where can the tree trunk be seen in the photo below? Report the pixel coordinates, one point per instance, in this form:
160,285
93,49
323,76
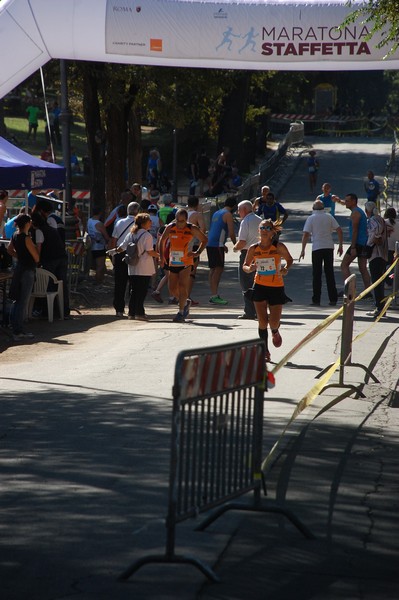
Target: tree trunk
95,134
134,148
116,164
232,123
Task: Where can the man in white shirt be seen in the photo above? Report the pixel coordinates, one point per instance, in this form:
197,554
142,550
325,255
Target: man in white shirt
121,229
321,225
248,234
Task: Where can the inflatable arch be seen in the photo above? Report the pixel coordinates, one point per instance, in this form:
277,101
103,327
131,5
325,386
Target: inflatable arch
241,34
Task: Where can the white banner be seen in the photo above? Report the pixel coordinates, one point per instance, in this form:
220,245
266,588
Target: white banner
232,35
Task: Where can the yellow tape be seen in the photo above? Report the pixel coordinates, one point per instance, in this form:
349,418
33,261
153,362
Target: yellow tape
318,329
302,404
322,382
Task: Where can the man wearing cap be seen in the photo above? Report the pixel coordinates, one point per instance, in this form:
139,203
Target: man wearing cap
121,277
222,227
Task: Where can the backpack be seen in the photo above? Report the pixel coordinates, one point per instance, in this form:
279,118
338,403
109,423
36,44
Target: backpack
132,255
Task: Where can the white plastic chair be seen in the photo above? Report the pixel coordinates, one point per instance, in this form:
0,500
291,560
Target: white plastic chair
40,291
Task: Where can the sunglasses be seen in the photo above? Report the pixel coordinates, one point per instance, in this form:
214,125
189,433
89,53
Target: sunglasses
266,228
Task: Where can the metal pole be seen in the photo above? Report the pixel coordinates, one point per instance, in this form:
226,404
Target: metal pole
175,165
65,120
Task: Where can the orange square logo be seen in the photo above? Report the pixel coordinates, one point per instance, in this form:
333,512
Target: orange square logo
156,45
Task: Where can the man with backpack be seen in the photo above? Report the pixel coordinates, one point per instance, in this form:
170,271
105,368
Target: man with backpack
121,276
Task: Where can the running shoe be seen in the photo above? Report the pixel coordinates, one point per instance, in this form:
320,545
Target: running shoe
157,296
218,300
119,314
179,318
277,339
194,302
173,300
186,309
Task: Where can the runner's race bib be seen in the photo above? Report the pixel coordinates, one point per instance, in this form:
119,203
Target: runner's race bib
266,266
176,258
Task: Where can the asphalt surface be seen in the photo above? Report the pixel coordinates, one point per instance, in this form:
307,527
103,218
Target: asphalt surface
85,435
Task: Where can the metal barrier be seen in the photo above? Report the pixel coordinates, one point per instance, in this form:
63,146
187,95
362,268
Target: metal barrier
216,444
77,265
346,341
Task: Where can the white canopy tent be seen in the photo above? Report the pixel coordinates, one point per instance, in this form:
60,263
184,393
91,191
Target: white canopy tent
242,34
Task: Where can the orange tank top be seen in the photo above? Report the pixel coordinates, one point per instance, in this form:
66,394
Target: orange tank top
179,246
268,265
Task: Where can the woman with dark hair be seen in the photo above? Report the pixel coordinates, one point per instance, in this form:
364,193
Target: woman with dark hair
140,273
392,222
268,295
24,250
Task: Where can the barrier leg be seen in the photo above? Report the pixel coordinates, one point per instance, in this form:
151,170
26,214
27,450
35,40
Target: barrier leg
257,508
174,559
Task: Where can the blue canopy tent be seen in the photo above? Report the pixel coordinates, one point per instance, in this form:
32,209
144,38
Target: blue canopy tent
21,171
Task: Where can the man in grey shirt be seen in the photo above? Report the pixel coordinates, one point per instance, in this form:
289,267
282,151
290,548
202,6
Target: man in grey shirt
248,234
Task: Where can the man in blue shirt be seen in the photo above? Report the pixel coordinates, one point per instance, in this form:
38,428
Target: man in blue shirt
222,227
270,209
326,198
358,240
372,187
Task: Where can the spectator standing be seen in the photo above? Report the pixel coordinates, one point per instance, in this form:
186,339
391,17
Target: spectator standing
327,198
22,247
154,168
56,123
33,120
75,166
195,217
372,187
222,227
265,259
137,193
358,240
10,226
140,274
378,240
313,167
248,235
392,222
204,178
99,240
168,207
320,227
55,261
121,276
193,173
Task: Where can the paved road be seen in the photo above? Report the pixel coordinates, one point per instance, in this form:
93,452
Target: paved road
86,416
